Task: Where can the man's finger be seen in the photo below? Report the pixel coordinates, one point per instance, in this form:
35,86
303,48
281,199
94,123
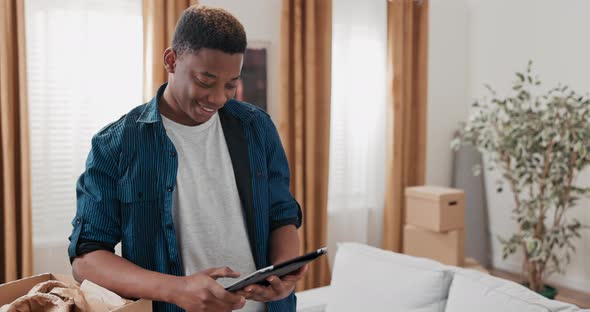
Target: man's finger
297,275
237,306
244,294
250,296
301,271
304,269
218,291
216,273
292,278
276,284
259,291
218,305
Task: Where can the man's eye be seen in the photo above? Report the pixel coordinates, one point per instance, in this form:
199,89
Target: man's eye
231,87
202,84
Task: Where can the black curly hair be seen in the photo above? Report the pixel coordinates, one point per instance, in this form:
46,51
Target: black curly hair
205,27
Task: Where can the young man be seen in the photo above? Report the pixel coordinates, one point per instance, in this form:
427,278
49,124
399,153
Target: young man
192,183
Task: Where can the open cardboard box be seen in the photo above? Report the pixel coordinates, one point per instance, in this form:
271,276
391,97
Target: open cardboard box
13,290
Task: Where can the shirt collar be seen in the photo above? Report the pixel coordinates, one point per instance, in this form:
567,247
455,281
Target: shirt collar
151,113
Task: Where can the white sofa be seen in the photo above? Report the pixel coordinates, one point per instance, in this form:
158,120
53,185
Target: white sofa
368,279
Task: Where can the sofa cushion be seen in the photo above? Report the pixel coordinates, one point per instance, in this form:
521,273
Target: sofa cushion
370,279
475,291
313,300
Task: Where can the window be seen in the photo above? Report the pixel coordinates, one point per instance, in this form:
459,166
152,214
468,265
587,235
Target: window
357,126
84,67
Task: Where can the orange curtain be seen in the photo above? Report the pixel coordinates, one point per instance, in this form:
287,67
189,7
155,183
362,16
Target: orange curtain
16,260
304,125
407,36
159,22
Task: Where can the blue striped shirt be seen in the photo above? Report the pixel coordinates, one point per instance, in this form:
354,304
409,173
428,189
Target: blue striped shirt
125,193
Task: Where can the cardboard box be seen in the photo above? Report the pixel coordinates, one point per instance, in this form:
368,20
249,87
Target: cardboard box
435,208
472,264
14,290
447,247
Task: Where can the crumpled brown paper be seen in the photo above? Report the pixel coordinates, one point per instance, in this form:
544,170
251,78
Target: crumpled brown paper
75,294
56,296
39,302
47,286
100,298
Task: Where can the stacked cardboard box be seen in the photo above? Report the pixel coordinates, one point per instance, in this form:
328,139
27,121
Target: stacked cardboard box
434,224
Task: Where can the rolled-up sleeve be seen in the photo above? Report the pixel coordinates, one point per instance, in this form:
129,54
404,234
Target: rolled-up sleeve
284,209
97,224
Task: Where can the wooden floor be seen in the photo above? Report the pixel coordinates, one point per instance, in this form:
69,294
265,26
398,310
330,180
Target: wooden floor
564,294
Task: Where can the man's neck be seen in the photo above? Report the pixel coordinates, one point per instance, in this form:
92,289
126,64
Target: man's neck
169,108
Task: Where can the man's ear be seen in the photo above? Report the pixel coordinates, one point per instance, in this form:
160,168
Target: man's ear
170,60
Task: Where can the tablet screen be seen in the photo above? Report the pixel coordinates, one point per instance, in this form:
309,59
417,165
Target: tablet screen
280,270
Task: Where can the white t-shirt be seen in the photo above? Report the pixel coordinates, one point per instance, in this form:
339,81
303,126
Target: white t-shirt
208,215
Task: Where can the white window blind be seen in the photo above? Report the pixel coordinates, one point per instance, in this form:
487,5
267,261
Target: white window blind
84,67
357,126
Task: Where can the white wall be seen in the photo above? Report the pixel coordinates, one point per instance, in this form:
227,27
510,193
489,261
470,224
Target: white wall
495,38
262,21
448,61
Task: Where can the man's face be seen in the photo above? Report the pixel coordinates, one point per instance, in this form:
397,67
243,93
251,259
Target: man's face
202,82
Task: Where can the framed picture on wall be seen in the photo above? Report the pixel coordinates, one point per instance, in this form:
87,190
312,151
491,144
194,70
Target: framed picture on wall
252,88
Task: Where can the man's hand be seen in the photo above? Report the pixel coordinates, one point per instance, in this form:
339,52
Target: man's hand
201,292
277,290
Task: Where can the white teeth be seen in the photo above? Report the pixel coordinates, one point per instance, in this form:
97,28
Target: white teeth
208,110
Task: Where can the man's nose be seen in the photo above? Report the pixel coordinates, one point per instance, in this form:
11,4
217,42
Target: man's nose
217,97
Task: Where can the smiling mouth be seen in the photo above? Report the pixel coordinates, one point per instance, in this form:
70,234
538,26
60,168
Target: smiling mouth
205,108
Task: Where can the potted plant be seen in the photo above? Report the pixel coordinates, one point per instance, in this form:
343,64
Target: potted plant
539,141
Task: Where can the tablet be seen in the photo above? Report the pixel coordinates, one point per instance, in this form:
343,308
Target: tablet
280,270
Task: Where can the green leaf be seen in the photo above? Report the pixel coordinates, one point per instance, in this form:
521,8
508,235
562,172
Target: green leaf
490,89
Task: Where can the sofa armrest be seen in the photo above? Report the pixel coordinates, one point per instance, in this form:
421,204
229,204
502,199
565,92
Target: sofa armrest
313,300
